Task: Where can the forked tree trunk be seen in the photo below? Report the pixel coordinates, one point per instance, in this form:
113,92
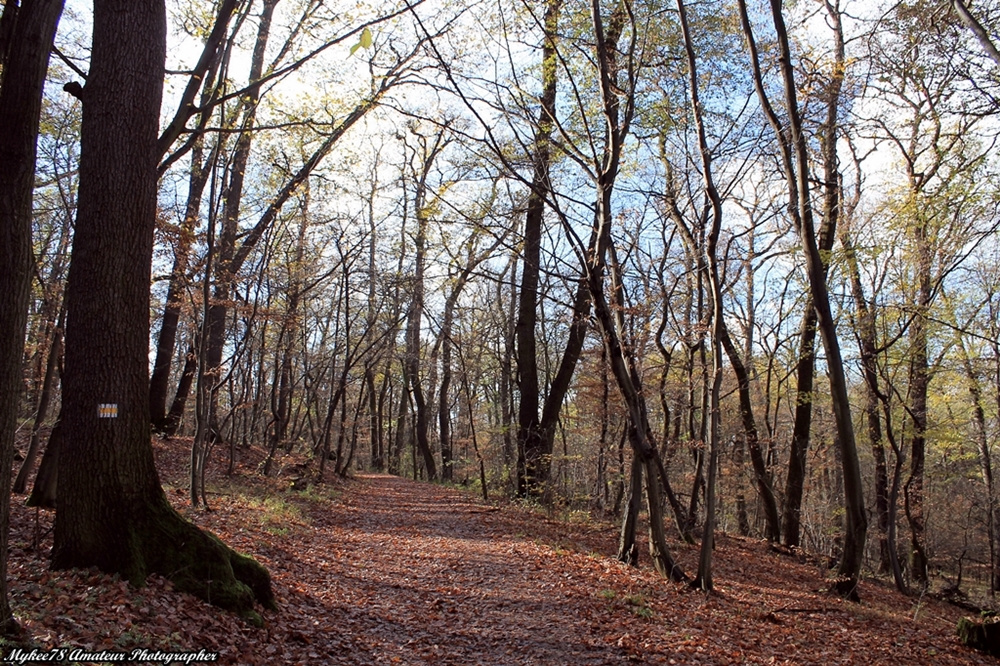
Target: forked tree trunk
166,339
536,433
628,550
111,511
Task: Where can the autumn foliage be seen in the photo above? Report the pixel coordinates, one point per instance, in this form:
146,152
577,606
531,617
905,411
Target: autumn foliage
380,569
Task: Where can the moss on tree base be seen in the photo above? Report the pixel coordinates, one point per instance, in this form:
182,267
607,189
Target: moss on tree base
199,563
161,541
981,633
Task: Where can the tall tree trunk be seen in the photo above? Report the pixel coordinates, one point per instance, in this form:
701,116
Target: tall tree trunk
476,257
176,413
505,397
913,490
27,30
985,465
762,476
282,395
806,364
795,162
801,426
226,270
534,443
159,380
376,435
864,322
428,153
111,511
197,180
600,260
628,550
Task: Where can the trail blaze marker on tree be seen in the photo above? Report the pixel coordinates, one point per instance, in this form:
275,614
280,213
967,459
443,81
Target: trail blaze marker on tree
107,411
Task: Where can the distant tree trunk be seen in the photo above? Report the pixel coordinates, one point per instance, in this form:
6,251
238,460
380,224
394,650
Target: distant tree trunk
742,520
166,340
476,256
601,489
226,268
864,321
176,413
414,317
511,455
281,397
111,511
376,433
205,387
26,34
801,426
628,550
762,476
53,312
806,364
43,491
985,465
44,398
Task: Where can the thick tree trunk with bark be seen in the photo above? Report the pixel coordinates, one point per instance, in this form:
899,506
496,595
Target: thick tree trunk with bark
27,30
111,511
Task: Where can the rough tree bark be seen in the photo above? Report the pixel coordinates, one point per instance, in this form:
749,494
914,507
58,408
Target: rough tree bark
26,33
111,511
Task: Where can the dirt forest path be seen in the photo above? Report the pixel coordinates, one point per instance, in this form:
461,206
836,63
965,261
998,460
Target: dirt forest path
414,573
383,570
420,574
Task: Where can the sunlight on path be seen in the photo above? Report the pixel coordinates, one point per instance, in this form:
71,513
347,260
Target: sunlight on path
424,577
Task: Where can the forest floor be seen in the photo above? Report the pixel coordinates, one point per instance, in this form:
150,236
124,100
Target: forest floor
383,570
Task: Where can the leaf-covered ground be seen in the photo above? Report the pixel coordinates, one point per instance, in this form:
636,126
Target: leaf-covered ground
382,570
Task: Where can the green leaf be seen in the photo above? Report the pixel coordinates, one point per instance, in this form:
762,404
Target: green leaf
365,42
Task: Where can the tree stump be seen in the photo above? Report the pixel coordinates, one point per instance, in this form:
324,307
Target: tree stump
982,633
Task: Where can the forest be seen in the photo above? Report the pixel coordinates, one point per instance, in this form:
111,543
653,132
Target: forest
724,274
